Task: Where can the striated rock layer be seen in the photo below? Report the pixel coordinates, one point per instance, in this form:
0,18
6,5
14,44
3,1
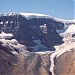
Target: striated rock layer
65,64
36,64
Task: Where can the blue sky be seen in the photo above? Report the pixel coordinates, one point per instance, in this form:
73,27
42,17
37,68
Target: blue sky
57,8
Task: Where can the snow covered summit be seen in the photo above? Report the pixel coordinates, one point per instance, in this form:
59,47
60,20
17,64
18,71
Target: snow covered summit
34,15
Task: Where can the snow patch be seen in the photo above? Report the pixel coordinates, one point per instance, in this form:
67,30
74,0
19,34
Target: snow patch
44,28
1,22
14,52
6,22
65,21
34,15
70,29
5,36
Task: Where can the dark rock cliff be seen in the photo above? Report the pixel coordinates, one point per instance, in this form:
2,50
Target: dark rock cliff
27,31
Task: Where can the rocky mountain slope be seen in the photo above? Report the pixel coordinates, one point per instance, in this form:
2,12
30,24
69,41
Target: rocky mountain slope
21,62
27,29
19,48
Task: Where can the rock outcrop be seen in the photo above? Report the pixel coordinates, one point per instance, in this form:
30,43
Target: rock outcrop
30,63
24,63
65,64
26,31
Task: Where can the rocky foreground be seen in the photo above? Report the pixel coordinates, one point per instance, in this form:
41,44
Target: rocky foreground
36,64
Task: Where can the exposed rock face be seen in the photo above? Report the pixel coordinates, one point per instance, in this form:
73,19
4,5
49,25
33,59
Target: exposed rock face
16,60
26,31
36,63
6,62
24,63
65,64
